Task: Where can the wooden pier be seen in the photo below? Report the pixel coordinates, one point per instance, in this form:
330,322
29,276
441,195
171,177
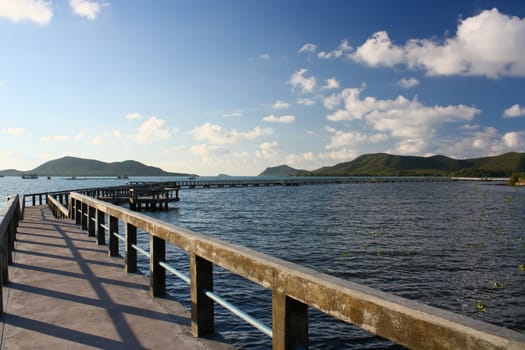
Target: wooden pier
66,292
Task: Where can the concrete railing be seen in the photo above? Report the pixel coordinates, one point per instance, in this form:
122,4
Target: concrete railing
9,217
293,287
58,209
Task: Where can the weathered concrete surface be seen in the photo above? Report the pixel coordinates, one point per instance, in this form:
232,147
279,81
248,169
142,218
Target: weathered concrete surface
66,293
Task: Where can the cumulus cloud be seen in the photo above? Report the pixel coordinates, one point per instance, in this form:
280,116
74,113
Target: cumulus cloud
411,122
205,150
514,111
331,83
152,130
514,140
490,44
87,9
215,134
134,116
308,48
487,141
38,11
407,83
281,105
343,48
342,139
285,119
267,150
298,80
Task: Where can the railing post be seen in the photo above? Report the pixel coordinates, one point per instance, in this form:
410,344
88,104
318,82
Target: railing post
4,260
78,212
91,221
157,276
101,232
84,216
202,312
131,253
70,207
289,322
11,240
113,240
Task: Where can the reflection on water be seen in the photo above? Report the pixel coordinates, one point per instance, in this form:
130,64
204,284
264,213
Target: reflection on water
449,245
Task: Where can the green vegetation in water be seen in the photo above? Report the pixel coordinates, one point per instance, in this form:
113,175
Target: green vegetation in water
379,253
481,306
522,267
346,254
515,178
499,285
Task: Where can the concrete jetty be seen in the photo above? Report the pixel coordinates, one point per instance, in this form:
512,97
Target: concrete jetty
65,292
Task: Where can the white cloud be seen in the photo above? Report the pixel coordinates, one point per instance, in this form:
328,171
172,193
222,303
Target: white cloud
408,83
285,119
134,116
379,50
307,48
15,131
86,8
205,150
299,80
343,48
487,142
411,122
38,11
400,117
514,111
331,83
343,154
215,134
305,101
264,56
152,130
514,140
342,139
267,150
300,160
281,105
490,44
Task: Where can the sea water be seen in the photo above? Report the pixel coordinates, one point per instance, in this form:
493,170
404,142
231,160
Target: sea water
449,245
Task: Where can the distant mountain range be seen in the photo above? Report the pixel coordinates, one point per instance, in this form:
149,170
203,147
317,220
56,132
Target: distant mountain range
284,170
382,164
71,166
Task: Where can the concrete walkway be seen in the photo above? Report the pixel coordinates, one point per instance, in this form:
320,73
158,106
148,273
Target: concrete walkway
67,293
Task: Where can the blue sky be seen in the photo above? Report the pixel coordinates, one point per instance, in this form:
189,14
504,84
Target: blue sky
235,86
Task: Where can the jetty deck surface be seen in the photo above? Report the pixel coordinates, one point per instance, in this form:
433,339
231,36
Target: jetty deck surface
65,292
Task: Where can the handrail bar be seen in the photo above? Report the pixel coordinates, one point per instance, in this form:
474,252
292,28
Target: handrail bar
239,313
295,287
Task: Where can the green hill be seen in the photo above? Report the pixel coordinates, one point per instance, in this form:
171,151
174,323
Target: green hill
382,164
284,170
71,166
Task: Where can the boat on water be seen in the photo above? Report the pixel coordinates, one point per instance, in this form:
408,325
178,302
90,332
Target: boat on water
30,176
122,176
